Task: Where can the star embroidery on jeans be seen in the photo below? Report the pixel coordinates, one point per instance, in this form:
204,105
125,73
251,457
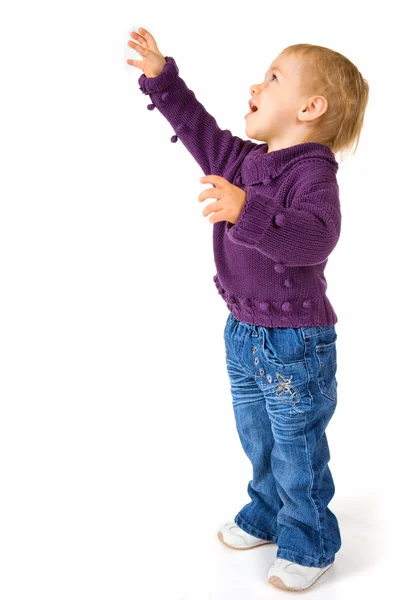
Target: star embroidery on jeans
283,384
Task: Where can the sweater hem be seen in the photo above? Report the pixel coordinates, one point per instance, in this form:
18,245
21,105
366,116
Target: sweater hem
310,312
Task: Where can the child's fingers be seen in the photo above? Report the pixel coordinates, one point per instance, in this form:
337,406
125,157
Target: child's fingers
147,38
138,37
146,34
134,63
136,46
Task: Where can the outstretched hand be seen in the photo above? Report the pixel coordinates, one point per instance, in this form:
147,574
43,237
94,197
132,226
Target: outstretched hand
230,199
153,61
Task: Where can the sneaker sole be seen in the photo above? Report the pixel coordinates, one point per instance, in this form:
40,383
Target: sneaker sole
277,582
221,539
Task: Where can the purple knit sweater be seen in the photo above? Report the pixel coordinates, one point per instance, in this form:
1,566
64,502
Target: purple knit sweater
270,263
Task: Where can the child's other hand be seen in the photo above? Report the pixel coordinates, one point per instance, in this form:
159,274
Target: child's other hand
230,199
153,61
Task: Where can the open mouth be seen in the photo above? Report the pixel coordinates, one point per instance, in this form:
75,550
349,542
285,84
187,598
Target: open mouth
253,109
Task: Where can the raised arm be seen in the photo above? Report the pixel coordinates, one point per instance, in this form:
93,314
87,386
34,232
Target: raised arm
216,150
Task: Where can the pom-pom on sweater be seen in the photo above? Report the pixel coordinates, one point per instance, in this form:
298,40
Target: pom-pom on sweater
270,264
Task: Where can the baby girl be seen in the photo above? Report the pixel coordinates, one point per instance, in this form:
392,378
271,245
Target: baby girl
276,220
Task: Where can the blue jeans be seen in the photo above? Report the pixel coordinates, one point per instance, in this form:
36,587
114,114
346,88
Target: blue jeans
284,392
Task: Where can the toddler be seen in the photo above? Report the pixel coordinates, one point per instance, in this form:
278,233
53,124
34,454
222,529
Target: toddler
276,220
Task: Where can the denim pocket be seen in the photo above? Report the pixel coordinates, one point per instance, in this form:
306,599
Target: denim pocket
327,366
284,346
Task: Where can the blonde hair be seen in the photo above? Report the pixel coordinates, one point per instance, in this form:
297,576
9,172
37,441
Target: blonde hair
332,75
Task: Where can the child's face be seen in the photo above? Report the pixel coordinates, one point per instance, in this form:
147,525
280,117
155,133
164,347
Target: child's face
279,103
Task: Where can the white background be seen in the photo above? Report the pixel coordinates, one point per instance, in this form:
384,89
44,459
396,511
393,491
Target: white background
119,455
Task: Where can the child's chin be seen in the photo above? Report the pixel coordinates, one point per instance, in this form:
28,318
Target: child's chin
251,133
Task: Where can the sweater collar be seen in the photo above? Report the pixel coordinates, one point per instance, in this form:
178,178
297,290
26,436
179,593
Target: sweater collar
262,166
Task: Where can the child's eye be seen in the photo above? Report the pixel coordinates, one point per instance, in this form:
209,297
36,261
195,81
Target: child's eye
273,77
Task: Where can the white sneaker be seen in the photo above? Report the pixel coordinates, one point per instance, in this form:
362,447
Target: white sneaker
288,575
231,535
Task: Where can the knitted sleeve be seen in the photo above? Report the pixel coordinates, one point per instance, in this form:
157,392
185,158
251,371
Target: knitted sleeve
304,234
217,151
